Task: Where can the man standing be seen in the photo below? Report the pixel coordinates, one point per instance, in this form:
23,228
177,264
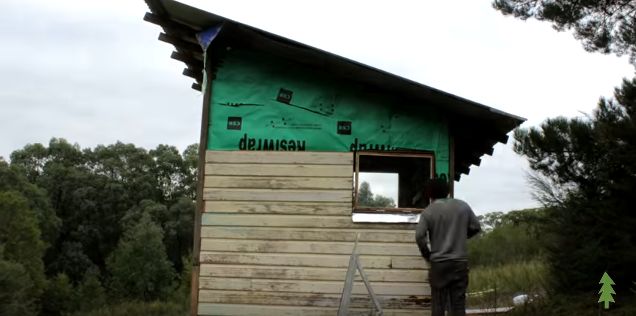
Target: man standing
446,224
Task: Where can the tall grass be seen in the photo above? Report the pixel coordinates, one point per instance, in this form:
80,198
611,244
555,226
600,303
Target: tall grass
497,285
138,308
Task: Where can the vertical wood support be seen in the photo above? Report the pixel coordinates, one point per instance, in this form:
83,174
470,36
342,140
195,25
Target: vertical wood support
451,168
200,205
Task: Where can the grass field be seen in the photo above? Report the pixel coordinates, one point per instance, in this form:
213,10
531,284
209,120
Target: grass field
495,286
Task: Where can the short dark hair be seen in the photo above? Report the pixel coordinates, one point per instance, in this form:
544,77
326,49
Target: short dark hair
437,188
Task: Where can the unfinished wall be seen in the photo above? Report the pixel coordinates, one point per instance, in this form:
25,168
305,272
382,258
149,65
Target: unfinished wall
277,234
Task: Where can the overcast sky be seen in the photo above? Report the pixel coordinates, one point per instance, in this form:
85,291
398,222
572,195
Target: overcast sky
93,72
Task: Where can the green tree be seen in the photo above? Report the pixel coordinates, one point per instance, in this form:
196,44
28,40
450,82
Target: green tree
382,201
170,171
13,179
513,237
191,160
179,233
490,221
20,239
91,190
590,164
90,293
59,296
85,199
603,26
181,294
139,266
16,289
177,223
366,198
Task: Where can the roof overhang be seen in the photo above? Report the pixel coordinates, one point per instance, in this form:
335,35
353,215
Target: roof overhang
475,127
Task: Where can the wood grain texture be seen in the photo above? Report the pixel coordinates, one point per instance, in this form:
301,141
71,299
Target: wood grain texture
308,234
283,259
260,310
272,170
277,234
312,260
221,194
323,247
413,262
304,286
269,207
310,299
209,219
277,157
251,182
308,273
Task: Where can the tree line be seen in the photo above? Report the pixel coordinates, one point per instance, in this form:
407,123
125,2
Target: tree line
584,169
86,228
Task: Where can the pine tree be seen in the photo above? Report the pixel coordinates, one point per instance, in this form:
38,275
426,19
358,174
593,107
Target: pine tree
586,174
603,26
606,290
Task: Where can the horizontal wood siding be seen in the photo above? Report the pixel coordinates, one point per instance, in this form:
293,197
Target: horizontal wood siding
277,234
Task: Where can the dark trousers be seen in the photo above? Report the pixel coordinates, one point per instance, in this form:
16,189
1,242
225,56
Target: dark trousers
449,280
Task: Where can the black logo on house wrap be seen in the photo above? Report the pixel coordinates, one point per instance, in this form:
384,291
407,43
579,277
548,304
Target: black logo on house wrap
344,127
234,122
284,95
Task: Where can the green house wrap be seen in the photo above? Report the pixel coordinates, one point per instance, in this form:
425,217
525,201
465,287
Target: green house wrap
260,102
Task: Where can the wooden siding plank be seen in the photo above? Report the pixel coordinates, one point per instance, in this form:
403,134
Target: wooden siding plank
340,171
278,182
259,310
274,157
214,194
415,262
305,260
297,221
310,299
206,309
304,286
308,234
274,246
308,273
264,207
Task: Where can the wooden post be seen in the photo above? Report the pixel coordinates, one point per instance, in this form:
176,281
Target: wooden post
200,206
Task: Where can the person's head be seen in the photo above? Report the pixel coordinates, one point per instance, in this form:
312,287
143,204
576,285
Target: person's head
437,188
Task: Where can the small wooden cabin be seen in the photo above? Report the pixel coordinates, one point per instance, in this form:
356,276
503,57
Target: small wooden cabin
286,131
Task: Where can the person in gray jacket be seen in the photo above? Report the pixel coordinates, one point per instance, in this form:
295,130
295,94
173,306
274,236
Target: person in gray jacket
446,224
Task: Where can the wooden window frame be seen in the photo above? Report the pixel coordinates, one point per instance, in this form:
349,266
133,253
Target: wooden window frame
397,210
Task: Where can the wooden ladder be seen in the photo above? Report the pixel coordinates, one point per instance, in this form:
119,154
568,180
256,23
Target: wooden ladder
354,264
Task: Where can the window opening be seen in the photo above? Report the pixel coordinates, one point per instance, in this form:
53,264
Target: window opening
389,187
